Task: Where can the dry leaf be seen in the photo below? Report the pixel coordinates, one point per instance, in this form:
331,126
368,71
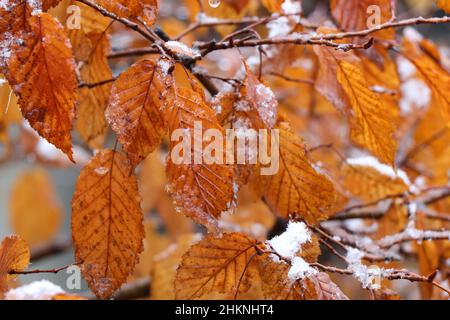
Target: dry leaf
298,189
33,202
201,191
42,74
107,225
14,256
135,107
225,264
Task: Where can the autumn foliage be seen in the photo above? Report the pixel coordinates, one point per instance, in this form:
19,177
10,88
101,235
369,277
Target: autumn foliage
360,104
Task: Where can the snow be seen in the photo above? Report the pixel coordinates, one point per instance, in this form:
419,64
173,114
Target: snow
204,18
415,95
38,290
164,66
405,68
4,4
177,46
2,82
412,34
369,161
291,7
369,276
279,27
289,242
300,269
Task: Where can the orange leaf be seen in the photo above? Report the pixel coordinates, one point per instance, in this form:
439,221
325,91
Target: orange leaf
33,202
444,5
91,122
372,121
42,74
201,191
14,256
354,15
107,225
297,189
436,77
134,110
370,180
277,286
224,265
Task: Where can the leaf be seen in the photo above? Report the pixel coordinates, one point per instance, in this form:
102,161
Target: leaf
272,5
436,77
42,74
298,189
137,9
14,256
371,126
277,285
134,110
354,15
14,16
164,267
107,225
370,180
259,103
201,191
372,121
33,202
444,5
224,265
91,122
91,19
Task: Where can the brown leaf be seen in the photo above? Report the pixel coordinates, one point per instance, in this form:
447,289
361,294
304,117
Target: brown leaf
353,15
225,265
14,256
436,77
278,286
134,110
137,9
107,225
42,74
33,202
164,267
91,122
444,5
258,102
201,191
372,122
14,18
298,189
370,180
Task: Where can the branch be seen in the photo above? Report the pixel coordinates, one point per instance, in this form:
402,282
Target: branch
324,39
39,271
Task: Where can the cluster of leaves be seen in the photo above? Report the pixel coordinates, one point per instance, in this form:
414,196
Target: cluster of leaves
344,86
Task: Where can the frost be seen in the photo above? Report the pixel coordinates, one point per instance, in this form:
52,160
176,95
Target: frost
300,269
38,290
164,66
289,243
383,169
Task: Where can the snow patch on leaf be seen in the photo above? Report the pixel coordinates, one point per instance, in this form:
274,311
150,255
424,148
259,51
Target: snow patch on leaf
289,242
